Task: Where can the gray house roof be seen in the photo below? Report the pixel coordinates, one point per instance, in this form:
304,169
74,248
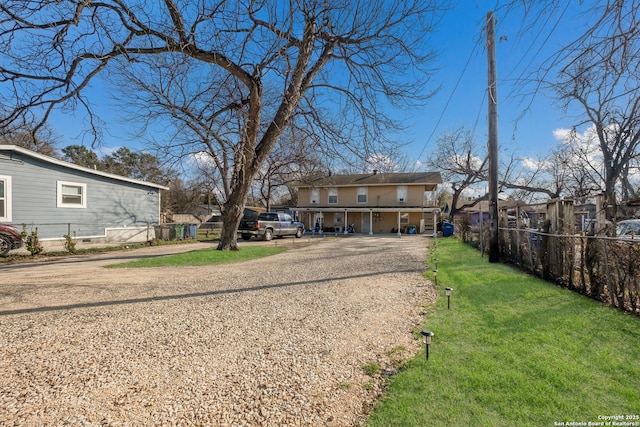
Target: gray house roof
23,151
378,178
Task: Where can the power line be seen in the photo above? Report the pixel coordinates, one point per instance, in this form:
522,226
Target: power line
540,47
480,108
446,105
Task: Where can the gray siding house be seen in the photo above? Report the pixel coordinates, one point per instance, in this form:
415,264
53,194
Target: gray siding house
62,198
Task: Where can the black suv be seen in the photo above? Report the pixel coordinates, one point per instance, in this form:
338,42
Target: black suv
10,238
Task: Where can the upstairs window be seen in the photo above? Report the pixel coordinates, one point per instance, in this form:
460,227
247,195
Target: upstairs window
333,196
402,194
72,195
363,193
314,198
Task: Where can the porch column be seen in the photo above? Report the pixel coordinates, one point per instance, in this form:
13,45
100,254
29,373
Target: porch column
346,223
399,232
370,222
312,225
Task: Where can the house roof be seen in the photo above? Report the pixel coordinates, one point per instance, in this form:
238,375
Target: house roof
483,205
54,161
379,178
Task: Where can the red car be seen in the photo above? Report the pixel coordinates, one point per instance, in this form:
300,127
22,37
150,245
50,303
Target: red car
10,238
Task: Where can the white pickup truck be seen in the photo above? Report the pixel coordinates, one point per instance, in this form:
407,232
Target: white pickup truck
270,224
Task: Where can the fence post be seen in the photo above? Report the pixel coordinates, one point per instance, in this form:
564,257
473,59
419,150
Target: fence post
518,237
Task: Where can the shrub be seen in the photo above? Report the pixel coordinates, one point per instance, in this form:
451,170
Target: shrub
70,243
31,239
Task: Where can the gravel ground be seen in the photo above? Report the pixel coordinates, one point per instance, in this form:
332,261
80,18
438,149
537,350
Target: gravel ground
276,341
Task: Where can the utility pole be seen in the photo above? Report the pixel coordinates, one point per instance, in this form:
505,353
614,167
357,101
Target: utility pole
492,98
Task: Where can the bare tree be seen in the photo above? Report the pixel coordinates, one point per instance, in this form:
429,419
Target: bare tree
332,63
597,73
23,135
291,160
584,163
603,80
183,197
531,177
462,165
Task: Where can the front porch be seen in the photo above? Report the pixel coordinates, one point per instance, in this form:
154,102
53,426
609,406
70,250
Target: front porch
370,220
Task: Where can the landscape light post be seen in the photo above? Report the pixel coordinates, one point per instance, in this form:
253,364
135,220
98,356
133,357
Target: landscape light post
435,270
427,341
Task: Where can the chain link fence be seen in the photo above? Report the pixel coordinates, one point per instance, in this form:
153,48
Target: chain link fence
600,267
55,237
603,268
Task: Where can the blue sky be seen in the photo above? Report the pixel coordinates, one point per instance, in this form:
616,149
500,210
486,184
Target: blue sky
462,77
463,61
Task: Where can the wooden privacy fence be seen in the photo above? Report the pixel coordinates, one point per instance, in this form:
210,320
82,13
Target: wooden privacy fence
600,267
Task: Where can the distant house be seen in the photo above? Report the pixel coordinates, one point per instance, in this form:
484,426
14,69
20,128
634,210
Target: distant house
62,198
530,215
373,203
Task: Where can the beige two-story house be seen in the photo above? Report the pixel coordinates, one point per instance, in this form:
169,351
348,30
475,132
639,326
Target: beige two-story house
373,203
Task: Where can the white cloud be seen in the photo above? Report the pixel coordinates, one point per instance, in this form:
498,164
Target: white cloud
531,164
201,159
587,140
562,135
382,163
474,162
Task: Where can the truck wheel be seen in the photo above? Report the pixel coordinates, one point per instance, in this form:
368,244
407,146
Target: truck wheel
268,234
5,245
246,237
299,233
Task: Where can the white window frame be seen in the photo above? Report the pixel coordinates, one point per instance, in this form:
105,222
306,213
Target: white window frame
402,193
83,194
314,196
362,191
7,216
333,192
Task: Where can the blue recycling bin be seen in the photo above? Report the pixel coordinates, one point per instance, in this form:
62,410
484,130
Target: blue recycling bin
447,229
193,231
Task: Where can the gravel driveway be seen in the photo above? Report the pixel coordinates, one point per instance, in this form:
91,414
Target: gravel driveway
277,341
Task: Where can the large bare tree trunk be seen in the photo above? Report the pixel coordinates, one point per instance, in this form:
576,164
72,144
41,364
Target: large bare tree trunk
233,210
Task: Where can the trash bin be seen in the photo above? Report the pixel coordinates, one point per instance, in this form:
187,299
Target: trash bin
162,232
193,231
172,231
180,230
447,229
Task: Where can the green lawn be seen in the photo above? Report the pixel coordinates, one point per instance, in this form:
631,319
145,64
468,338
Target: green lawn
514,351
203,257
